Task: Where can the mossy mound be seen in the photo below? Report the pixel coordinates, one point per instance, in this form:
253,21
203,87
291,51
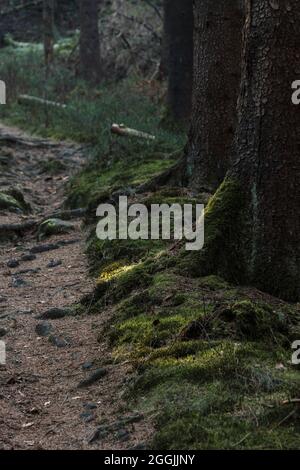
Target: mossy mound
54,227
243,320
13,200
225,385
124,167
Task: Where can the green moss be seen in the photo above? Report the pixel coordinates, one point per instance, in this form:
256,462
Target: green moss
133,164
222,390
218,397
8,202
214,283
243,320
53,227
102,253
117,281
224,223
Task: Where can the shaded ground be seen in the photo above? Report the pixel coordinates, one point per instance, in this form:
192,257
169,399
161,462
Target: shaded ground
41,406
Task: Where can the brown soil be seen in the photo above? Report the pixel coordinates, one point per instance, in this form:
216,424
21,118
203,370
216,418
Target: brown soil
40,404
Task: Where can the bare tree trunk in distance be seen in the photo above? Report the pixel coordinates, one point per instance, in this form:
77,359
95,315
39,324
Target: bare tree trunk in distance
178,57
217,73
48,20
90,63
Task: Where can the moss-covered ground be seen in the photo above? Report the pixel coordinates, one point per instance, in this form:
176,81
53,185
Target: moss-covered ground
212,360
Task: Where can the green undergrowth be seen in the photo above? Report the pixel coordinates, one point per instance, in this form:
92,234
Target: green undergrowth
90,112
126,165
212,364
106,254
212,360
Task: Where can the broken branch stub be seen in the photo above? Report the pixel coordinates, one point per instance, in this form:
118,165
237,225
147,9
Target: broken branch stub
121,130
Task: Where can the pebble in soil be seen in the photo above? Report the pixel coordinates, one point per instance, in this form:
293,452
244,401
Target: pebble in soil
12,263
44,248
94,377
55,313
54,263
43,328
58,341
18,282
3,332
28,257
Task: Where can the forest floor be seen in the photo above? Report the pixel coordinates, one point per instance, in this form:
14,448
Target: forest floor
41,405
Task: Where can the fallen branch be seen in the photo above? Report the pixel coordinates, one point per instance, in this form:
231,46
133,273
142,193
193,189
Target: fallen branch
171,177
120,129
27,99
17,228
67,214
291,401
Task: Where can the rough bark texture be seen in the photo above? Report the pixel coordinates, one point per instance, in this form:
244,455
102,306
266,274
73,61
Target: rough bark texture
178,57
48,20
268,144
253,221
217,71
90,64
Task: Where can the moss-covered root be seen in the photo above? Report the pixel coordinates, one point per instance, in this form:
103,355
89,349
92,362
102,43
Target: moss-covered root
224,224
237,249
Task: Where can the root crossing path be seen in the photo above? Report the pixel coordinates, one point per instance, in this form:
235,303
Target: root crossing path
42,405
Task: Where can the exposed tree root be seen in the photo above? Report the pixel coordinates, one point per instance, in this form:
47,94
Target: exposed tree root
12,139
171,177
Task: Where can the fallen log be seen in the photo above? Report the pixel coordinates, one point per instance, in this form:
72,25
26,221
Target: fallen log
27,99
6,229
67,214
122,130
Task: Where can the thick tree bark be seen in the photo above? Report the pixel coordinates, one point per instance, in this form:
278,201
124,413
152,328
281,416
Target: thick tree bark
178,57
90,63
253,221
217,71
48,20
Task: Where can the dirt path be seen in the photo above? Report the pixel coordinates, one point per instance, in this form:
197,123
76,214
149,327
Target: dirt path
41,406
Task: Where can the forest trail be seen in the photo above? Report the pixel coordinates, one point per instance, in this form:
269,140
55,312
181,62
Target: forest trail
41,405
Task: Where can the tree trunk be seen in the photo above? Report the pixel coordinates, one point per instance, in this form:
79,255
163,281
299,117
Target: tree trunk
90,63
178,57
253,221
217,72
48,20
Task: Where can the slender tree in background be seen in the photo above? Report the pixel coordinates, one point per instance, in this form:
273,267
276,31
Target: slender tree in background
253,221
217,73
90,63
48,27
178,57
